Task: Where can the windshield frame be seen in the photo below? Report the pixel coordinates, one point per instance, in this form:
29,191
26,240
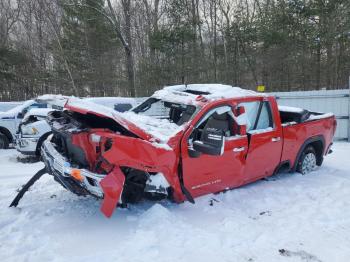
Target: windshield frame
146,105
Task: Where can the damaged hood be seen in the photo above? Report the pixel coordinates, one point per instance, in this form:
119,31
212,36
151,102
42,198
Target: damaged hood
156,131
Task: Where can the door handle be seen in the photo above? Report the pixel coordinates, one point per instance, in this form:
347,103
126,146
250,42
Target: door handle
275,139
238,149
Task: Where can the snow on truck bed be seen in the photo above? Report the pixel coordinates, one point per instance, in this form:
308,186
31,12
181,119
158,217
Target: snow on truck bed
290,109
289,218
297,110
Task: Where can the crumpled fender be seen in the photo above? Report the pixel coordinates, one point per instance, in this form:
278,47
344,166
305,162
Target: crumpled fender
112,186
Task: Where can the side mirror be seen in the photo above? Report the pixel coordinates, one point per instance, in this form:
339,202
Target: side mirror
20,115
123,107
213,143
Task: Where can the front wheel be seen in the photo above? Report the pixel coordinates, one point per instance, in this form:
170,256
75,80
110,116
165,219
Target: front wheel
4,142
308,161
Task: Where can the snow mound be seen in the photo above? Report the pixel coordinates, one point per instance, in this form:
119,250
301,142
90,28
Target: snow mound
154,214
299,214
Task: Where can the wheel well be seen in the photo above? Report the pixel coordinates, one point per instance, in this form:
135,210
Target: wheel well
7,133
283,166
318,144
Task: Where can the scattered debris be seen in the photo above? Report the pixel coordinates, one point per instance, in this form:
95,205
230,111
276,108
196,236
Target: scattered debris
305,256
211,201
28,159
26,187
268,212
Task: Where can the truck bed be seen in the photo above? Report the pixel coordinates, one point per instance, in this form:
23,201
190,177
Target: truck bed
300,126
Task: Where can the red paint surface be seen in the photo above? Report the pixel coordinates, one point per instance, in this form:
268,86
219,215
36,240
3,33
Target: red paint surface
205,174
112,186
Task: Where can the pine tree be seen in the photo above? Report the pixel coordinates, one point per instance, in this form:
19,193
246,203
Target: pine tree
88,42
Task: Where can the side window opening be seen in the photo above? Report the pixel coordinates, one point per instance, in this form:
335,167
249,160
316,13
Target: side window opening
177,113
252,111
218,120
265,119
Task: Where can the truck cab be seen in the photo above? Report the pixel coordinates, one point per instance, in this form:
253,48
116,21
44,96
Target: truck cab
253,146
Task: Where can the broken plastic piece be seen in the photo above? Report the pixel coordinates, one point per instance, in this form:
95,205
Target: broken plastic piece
112,186
26,187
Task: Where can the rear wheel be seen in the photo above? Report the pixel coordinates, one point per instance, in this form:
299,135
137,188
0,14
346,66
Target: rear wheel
4,142
308,161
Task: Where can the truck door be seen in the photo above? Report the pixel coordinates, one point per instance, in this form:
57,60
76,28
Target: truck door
264,139
204,173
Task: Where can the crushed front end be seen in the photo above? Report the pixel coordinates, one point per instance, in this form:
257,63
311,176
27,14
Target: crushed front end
83,182
93,155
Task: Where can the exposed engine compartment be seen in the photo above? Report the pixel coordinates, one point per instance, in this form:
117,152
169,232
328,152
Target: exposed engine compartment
68,125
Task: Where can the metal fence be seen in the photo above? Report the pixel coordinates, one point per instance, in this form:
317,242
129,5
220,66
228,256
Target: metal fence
335,101
5,106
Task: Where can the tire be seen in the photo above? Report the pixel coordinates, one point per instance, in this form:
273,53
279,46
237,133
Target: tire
4,142
308,161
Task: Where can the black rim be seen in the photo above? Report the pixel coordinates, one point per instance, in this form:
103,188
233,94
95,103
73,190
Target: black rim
2,143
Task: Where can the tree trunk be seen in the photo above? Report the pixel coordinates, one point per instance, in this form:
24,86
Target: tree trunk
125,42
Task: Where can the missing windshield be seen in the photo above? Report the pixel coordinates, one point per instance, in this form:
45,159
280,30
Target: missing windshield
175,112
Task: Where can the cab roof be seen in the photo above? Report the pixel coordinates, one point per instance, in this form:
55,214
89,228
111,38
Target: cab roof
199,93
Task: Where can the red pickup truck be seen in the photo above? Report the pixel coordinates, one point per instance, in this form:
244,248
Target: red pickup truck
183,142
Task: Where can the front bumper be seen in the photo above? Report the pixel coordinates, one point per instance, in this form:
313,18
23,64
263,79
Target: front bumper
26,145
61,169
109,187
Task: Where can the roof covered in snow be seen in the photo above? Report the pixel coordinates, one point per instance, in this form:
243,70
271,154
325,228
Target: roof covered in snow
189,94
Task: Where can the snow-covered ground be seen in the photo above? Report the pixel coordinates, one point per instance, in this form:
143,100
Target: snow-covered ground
289,218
